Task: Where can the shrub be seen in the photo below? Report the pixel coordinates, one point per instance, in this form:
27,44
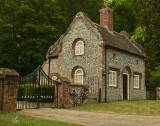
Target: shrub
154,80
30,92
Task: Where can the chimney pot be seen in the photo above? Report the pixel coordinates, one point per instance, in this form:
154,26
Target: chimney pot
106,17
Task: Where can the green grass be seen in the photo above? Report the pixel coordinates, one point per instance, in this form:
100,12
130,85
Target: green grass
127,107
13,119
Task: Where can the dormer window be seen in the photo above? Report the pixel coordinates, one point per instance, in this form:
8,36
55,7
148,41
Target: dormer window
79,48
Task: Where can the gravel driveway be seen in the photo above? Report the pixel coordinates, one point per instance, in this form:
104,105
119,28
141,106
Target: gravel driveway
93,118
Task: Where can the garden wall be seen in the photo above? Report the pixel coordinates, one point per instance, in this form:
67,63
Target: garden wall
67,94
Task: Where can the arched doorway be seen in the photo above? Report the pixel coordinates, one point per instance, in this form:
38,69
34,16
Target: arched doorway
126,82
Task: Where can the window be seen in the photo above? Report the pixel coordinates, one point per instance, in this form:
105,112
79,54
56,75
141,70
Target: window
79,48
136,81
78,76
113,78
54,77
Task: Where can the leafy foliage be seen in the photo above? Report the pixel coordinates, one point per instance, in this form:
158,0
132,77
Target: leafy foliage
90,7
126,14
31,90
150,20
154,80
28,28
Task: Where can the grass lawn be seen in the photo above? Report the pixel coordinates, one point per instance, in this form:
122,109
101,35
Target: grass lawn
127,107
13,119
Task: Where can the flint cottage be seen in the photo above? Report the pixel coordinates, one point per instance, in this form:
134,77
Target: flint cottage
94,55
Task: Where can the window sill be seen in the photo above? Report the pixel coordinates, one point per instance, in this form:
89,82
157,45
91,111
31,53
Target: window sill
80,85
78,55
136,88
113,87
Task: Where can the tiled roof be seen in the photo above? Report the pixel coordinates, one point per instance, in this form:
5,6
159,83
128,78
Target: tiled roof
120,41
113,39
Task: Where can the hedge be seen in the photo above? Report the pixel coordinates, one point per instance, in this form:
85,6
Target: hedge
29,91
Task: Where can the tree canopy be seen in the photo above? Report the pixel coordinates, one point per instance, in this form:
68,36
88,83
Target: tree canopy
90,7
28,28
151,23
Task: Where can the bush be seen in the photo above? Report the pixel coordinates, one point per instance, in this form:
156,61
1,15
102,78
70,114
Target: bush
154,80
30,92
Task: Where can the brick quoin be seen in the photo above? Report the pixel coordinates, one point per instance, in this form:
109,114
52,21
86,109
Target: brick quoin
101,70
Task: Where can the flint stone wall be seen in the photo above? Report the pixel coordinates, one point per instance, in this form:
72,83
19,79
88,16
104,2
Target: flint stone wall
78,94
89,61
53,66
120,61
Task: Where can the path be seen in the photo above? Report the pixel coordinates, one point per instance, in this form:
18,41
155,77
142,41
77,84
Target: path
93,118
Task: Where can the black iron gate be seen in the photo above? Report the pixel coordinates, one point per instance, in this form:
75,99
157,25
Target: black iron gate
35,90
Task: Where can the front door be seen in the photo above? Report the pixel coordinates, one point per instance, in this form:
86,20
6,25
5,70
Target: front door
125,83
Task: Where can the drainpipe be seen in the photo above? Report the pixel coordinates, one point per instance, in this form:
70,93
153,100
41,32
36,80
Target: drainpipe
105,73
49,67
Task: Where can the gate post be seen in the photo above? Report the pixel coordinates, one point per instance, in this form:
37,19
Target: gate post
62,93
8,89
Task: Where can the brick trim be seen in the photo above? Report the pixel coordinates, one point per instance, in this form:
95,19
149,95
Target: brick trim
52,74
118,77
73,72
129,71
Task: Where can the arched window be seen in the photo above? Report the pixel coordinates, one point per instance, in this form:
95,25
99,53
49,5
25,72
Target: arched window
78,76
79,48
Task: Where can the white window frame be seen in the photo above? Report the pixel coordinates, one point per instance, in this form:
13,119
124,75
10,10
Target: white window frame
136,81
77,76
112,78
79,48
54,77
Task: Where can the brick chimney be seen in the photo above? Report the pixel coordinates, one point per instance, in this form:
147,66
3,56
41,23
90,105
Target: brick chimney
106,17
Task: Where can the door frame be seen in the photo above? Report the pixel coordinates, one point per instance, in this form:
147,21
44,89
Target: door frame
127,85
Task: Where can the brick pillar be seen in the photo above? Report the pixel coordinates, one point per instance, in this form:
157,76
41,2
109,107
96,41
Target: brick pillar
8,89
158,93
62,93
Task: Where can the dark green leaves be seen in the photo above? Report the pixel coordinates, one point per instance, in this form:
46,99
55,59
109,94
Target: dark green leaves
27,29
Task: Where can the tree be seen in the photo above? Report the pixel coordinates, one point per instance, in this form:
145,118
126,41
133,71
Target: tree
90,7
154,80
151,22
28,28
126,14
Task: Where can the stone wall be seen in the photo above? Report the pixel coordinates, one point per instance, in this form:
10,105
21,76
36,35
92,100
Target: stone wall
8,89
78,94
90,60
67,94
53,66
120,60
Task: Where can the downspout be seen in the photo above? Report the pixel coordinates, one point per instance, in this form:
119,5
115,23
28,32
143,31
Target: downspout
49,67
105,73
